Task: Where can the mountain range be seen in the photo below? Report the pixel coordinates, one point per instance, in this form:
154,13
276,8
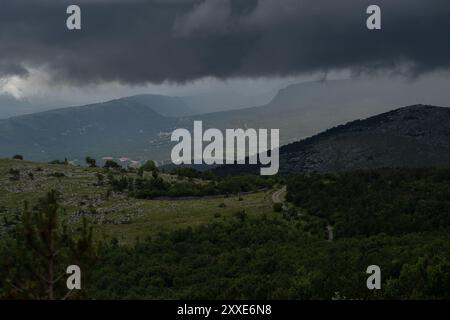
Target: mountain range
139,127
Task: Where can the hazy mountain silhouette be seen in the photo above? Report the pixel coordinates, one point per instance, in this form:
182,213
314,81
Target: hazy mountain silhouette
129,127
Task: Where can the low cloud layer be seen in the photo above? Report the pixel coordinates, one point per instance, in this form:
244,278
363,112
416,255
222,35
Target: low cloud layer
142,41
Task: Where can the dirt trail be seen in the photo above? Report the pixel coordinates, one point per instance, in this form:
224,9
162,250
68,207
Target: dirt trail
278,196
330,232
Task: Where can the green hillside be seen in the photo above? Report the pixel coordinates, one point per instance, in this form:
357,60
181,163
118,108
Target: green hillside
249,244
114,214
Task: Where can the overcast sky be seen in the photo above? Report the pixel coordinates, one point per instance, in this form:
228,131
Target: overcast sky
185,47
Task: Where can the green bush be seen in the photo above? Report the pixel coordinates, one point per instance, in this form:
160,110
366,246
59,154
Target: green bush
277,207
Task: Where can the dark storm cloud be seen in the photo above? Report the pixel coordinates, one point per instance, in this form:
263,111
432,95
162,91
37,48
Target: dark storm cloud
142,41
12,69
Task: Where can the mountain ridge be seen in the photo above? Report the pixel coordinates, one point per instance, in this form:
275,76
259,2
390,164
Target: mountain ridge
414,136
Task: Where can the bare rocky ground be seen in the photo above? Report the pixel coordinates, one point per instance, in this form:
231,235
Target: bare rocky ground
81,194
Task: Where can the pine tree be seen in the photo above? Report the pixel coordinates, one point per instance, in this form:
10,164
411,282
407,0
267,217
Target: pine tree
43,250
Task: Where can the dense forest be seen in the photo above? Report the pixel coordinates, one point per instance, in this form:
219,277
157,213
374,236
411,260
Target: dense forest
397,219
371,202
273,259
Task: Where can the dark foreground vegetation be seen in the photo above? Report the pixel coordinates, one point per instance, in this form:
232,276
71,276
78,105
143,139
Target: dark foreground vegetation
396,219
